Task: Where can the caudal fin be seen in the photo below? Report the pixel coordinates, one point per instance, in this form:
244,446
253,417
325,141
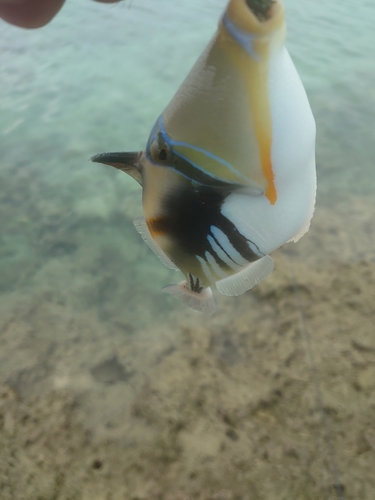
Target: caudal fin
203,301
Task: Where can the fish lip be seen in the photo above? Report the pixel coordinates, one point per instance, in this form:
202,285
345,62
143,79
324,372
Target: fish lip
128,162
121,158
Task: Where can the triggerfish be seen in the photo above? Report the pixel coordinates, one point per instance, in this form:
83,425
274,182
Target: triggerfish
228,172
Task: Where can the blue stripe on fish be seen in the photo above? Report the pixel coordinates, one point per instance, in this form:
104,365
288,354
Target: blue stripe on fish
181,164
197,167
225,163
214,157
241,37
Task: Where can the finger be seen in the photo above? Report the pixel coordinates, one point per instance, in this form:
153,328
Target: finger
29,13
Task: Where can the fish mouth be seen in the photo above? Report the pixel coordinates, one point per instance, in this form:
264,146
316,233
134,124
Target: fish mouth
260,8
128,162
117,160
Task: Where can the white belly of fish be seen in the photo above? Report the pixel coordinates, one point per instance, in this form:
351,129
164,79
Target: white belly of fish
293,160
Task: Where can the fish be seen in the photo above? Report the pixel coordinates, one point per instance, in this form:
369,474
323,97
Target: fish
228,172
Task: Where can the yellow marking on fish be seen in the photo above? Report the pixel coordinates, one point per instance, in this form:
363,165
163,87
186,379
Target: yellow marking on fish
255,73
211,165
157,181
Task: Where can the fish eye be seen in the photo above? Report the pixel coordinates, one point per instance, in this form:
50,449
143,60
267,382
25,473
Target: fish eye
159,153
162,154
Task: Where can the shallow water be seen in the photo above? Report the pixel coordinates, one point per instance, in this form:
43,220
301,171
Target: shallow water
273,397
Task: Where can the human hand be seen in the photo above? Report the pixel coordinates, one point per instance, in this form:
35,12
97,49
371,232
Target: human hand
32,13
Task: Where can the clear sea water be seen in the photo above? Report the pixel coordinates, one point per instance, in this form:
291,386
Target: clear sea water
94,80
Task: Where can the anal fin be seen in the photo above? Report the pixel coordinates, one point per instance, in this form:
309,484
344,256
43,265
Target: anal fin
247,278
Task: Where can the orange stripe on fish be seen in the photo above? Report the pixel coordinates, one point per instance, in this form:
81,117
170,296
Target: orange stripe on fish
157,226
254,71
271,192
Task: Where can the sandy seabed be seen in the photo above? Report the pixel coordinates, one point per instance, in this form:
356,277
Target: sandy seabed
273,397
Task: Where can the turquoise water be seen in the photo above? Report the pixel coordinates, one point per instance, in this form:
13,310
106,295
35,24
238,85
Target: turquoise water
94,80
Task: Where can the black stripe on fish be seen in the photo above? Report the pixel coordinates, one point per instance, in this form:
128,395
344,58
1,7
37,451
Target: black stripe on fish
222,248
190,213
